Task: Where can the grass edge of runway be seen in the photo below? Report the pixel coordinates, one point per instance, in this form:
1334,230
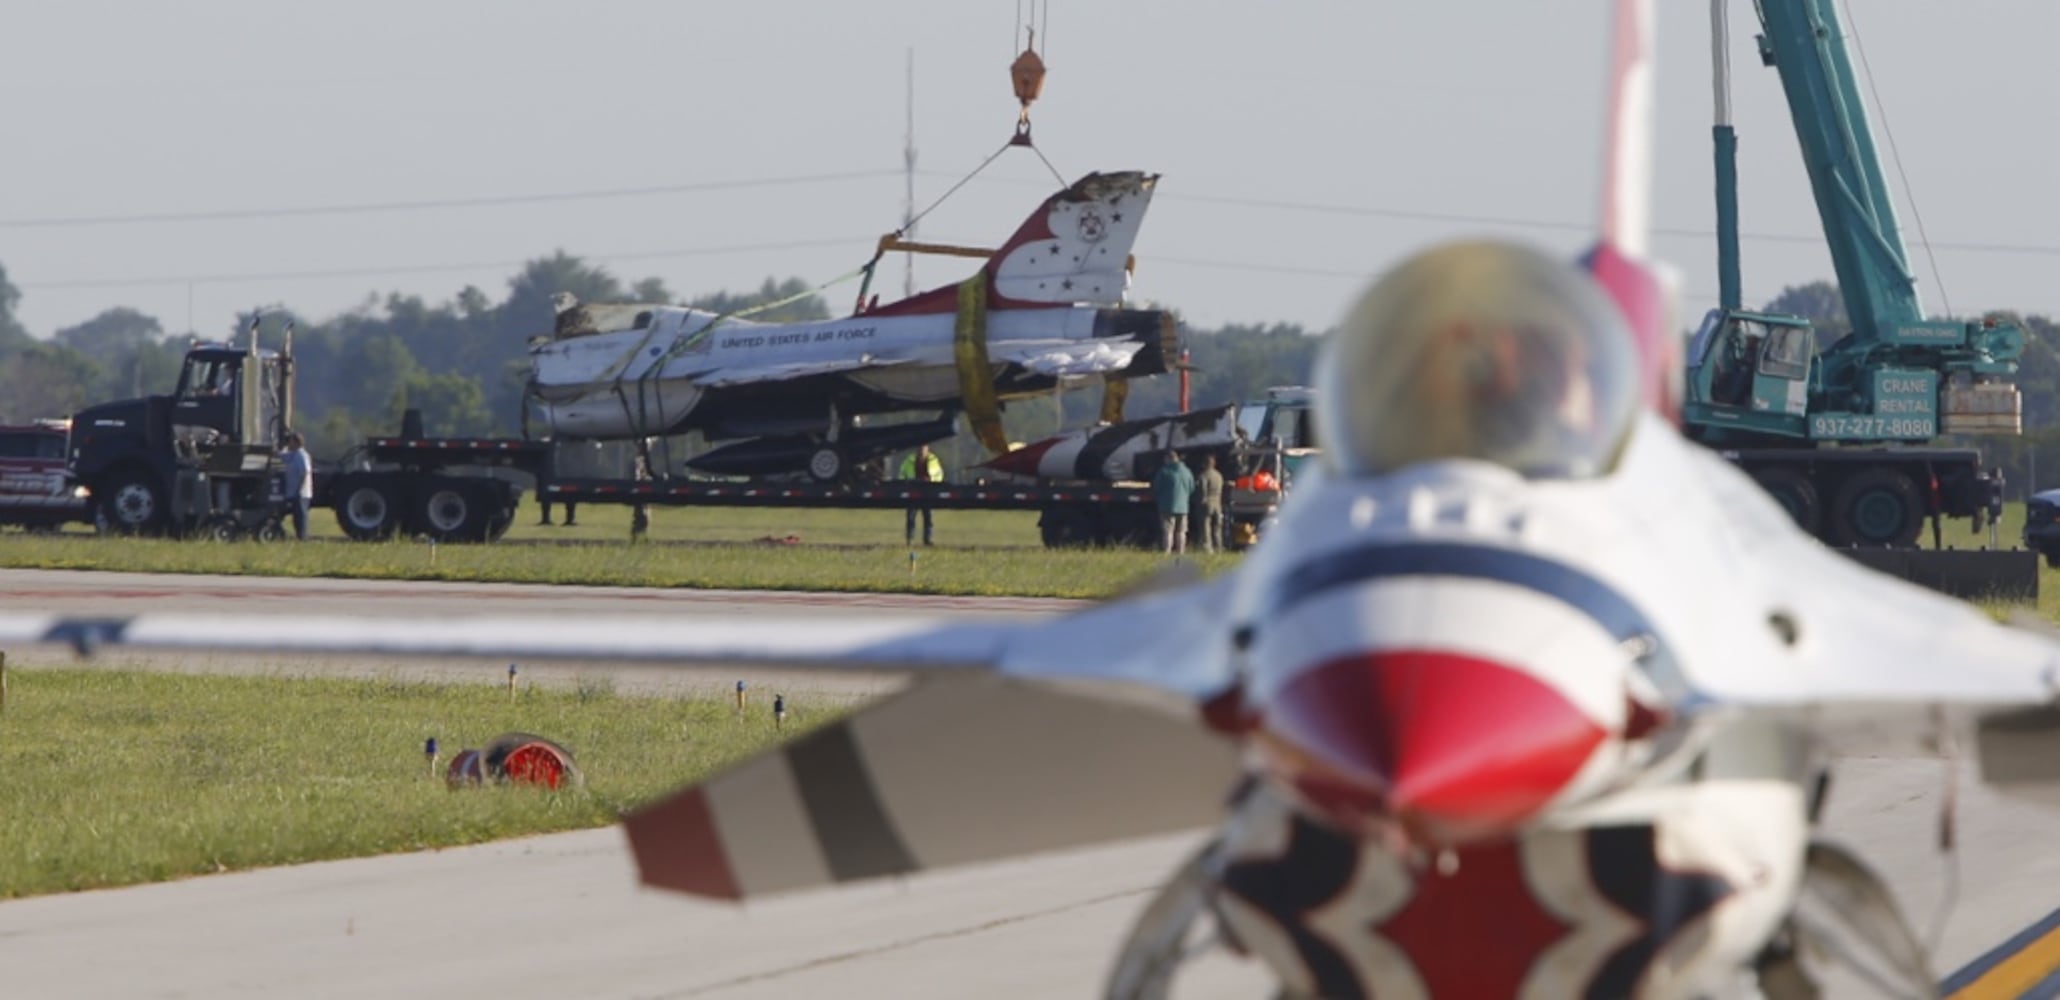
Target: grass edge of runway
119,778
951,571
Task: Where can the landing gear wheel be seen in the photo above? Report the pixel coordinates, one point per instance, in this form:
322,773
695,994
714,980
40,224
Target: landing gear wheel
367,510
270,531
1796,494
1878,506
826,464
132,503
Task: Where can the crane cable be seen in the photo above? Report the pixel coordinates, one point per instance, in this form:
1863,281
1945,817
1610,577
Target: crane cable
1895,154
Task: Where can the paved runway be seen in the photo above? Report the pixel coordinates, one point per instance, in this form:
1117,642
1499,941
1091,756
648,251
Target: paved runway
561,916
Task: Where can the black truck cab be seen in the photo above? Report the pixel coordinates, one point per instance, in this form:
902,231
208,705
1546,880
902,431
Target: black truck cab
206,455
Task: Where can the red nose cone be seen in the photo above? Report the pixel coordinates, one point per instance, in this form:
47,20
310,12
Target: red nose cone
1454,747
1022,461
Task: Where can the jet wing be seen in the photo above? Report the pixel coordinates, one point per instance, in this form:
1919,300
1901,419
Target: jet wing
1067,357
1878,666
1015,737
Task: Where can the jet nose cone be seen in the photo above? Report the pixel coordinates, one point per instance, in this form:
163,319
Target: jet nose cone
1452,747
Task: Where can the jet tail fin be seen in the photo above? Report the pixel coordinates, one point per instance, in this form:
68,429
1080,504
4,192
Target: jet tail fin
1073,249
1642,291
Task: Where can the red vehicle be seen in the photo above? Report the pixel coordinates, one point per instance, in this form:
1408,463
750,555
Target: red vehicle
35,492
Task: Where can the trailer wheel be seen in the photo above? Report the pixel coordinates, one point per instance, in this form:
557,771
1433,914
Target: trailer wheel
452,511
131,503
1065,528
367,511
1878,506
498,525
826,464
1796,494
222,528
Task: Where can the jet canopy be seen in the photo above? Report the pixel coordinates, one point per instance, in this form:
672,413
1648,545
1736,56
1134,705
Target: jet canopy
1485,351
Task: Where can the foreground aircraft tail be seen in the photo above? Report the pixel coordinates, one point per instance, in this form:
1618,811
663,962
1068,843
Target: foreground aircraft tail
1618,259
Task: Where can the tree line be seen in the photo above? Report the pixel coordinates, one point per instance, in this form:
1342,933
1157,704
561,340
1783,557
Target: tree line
462,362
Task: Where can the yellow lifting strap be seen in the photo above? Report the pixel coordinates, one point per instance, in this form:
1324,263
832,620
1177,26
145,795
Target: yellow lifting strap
1115,389
975,372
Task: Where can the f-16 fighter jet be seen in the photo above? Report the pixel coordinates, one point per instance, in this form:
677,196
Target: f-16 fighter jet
1047,304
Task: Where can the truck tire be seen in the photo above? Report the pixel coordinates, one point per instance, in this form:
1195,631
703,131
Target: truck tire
131,502
498,525
452,510
826,464
366,509
1796,494
1065,528
1878,507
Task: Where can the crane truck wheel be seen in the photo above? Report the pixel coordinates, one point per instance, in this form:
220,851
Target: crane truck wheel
1877,506
130,503
366,509
1796,494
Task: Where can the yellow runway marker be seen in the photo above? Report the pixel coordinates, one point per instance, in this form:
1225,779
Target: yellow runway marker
2027,965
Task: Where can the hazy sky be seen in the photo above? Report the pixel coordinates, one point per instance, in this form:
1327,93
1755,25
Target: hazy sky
1305,144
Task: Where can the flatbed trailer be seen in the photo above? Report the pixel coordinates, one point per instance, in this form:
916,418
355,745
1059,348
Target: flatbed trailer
412,485
1103,514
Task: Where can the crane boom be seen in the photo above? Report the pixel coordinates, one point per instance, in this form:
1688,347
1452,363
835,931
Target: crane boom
1806,43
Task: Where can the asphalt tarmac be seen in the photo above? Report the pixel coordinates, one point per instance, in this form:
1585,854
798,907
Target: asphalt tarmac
562,916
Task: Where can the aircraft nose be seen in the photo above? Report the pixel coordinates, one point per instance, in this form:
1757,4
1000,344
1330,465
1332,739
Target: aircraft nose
1022,461
1451,747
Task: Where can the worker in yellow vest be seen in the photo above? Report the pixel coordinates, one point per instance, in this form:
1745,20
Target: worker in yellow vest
923,467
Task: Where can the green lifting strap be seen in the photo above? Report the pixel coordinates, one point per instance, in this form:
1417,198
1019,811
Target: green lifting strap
975,372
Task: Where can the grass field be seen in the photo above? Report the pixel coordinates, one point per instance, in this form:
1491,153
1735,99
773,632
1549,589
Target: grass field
980,553
117,778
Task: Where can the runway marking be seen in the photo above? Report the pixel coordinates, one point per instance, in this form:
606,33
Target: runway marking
955,932
2026,965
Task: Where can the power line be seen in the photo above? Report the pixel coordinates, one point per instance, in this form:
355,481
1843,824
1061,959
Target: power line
361,272
227,214
1519,222
1324,208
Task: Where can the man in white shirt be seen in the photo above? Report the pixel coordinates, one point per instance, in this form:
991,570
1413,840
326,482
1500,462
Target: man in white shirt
300,482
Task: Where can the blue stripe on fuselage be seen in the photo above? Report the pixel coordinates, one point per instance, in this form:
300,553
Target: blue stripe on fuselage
1556,580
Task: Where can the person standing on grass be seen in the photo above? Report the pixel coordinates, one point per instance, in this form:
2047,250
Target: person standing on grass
300,482
1209,503
923,467
1172,487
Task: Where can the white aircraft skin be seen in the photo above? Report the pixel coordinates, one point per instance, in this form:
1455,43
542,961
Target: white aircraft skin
1523,696
907,357
1052,300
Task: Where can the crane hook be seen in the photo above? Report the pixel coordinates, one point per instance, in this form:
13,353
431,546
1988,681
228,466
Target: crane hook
1027,73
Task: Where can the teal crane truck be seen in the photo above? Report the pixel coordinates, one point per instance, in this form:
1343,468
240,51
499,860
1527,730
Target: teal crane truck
1843,436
